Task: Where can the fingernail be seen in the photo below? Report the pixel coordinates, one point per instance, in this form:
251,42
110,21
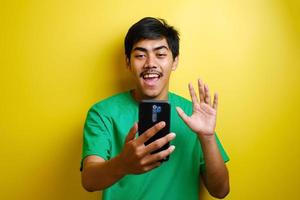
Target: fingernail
172,135
162,124
172,148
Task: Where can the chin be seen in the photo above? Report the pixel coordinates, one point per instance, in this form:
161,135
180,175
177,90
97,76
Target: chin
151,94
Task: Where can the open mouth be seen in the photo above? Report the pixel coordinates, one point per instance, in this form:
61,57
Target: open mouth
151,77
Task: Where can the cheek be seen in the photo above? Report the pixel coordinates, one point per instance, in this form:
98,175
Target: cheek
167,68
165,63
167,74
134,67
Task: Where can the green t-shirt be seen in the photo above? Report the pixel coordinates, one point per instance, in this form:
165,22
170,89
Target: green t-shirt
107,125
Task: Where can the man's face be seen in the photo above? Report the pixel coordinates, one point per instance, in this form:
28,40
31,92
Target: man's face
151,63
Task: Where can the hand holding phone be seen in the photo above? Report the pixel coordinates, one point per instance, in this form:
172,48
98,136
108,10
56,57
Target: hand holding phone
152,112
136,158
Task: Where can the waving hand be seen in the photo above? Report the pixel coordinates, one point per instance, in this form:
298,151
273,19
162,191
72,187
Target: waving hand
203,119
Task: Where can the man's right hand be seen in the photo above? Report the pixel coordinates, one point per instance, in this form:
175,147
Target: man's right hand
136,157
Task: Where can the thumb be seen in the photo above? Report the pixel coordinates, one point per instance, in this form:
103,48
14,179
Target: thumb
182,114
132,132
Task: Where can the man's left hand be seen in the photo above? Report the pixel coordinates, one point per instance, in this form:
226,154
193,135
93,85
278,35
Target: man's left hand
203,119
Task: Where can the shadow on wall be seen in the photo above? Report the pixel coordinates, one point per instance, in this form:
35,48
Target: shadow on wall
123,80
109,75
73,156
203,195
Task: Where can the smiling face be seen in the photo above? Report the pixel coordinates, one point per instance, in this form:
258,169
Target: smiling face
151,63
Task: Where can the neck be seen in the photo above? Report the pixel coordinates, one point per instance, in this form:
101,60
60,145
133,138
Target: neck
139,96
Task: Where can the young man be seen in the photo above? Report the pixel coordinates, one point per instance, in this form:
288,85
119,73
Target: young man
118,162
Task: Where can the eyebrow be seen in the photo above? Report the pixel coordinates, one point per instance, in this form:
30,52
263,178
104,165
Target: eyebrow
155,49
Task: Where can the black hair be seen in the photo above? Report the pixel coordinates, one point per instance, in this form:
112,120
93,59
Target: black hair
152,28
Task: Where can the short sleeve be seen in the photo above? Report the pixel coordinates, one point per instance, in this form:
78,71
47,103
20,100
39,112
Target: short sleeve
96,136
222,151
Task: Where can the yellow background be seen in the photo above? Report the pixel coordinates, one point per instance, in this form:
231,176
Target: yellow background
60,57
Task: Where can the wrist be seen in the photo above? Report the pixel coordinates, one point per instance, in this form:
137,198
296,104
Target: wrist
118,166
206,138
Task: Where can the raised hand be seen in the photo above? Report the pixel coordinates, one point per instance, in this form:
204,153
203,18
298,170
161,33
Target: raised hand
203,119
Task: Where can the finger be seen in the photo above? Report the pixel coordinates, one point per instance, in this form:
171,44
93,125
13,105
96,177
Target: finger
193,94
132,132
152,166
150,132
182,114
159,143
158,156
201,90
207,95
215,104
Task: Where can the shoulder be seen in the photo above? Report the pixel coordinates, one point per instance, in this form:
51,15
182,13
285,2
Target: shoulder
111,103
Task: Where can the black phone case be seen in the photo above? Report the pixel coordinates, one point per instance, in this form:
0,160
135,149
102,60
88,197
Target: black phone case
150,113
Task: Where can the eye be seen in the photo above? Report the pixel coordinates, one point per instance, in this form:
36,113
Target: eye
161,55
139,56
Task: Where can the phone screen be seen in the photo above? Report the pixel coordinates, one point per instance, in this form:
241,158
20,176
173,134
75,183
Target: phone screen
150,113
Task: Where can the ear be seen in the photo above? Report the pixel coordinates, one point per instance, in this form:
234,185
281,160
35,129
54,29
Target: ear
175,63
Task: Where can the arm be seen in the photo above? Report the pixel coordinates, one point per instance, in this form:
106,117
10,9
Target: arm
203,123
215,177
98,174
135,158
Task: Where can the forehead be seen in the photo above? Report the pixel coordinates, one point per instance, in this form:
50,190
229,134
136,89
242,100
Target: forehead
150,44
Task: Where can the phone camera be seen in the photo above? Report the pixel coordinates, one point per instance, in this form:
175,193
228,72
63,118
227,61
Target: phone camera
156,109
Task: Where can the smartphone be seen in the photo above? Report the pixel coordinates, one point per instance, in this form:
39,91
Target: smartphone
152,112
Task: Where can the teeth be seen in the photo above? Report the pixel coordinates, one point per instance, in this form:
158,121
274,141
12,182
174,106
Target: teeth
151,76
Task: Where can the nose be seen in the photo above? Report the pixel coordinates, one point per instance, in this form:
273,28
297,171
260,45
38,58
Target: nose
150,62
